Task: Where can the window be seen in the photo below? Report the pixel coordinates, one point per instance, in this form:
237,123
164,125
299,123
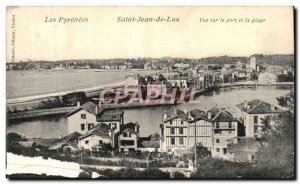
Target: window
255,128
83,116
90,126
171,122
100,142
181,140
218,149
127,142
217,140
87,142
82,126
112,125
173,141
217,132
124,134
181,122
180,130
229,124
225,150
255,119
172,130
217,125
129,134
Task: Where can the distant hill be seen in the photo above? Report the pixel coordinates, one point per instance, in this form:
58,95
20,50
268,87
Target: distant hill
275,59
279,59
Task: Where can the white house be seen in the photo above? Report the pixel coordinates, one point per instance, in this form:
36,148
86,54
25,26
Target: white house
94,139
128,137
252,112
225,127
252,63
267,77
83,118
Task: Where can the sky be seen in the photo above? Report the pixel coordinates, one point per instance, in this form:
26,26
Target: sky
103,37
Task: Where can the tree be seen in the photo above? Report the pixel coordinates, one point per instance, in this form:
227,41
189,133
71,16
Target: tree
278,136
287,101
202,152
161,77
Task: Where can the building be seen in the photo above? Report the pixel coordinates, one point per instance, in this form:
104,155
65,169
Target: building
252,113
243,149
181,66
128,138
174,130
96,139
148,66
252,63
85,117
133,80
200,129
149,144
67,144
267,77
180,130
225,127
181,82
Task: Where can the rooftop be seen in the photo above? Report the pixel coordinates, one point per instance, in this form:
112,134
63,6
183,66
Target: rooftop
198,114
110,115
151,141
176,113
89,107
220,115
69,139
258,107
101,130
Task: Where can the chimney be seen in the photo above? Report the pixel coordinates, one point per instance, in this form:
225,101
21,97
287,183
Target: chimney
209,115
78,103
248,107
164,115
245,104
136,128
185,111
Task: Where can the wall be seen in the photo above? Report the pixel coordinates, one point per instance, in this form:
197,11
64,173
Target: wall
223,137
93,141
75,121
133,138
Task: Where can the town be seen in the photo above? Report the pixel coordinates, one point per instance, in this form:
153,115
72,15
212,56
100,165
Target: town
100,137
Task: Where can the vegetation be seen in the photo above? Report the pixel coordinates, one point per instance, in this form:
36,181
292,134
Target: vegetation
138,63
131,173
225,169
286,77
278,136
